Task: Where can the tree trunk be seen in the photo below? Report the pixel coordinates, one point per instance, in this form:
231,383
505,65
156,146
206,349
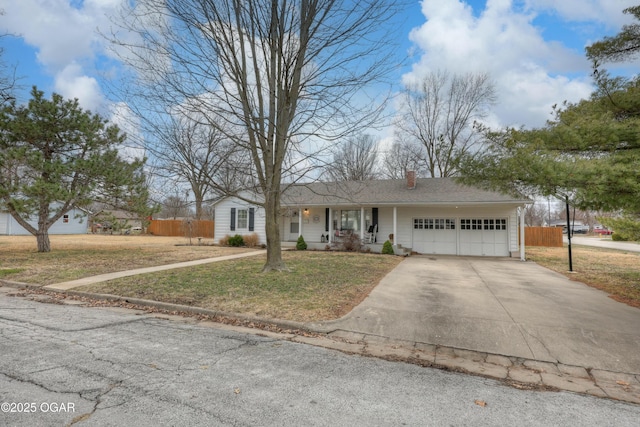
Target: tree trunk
42,233
42,236
272,228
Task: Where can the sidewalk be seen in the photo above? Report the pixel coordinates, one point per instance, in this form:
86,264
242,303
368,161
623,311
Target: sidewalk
64,286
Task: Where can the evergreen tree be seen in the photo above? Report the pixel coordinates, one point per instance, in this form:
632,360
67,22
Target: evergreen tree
55,156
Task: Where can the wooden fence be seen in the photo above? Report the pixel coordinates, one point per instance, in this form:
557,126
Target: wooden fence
543,236
183,228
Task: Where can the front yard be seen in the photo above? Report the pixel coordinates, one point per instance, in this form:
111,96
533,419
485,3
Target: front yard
613,271
321,285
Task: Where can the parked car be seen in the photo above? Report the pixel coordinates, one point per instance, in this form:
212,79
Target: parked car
576,229
603,231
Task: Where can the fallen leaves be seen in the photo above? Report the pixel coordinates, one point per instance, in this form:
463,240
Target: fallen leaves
480,402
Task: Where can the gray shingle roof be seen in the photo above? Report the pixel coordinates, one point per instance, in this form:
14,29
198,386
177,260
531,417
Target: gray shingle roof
428,191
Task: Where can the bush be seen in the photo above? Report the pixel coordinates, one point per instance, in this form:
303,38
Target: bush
626,227
351,243
617,237
252,240
387,248
236,241
301,245
224,241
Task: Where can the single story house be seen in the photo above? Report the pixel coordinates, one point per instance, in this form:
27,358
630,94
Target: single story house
105,220
72,222
427,216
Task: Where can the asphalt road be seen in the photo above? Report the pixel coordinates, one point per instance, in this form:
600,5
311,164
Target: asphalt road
71,365
601,242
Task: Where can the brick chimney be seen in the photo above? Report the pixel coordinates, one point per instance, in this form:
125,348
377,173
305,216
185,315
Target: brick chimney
411,180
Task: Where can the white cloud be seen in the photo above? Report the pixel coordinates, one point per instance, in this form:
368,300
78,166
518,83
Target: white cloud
530,73
128,122
64,34
607,12
71,83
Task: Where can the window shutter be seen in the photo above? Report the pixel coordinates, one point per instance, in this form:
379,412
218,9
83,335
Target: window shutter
326,219
251,219
233,219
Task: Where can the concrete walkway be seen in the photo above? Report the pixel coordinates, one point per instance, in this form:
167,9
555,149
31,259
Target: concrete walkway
118,274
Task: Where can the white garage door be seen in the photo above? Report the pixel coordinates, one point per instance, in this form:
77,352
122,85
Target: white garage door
435,236
484,237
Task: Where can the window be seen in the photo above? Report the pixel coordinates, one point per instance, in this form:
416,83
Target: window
350,220
65,218
243,219
483,224
434,224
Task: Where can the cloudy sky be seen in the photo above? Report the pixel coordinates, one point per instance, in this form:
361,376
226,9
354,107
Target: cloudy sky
533,49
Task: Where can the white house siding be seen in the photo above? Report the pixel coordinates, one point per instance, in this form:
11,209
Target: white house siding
223,219
385,224
4,223
313,224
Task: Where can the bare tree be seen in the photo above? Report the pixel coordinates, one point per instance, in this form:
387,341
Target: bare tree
200,155
403,156
274,76
440,114
535,214
175,207
355,160
7,74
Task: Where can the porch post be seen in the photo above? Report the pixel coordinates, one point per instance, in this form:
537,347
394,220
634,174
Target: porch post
522,257
361,223
300,221
395,225
330,236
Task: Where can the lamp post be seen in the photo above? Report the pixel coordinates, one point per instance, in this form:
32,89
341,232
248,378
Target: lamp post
566,199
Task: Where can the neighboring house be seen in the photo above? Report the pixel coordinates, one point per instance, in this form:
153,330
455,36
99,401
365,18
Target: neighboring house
429,216
106,220
72,222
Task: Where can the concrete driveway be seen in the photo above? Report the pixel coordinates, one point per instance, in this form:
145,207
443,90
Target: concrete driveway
501,306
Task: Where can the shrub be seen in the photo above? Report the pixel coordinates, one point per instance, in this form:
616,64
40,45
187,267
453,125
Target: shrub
387,248
626,227
236,241
251,240
301,245
351,243
224,241
617,237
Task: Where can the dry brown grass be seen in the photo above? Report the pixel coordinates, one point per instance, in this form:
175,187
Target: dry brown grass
319,285
615,272
76,256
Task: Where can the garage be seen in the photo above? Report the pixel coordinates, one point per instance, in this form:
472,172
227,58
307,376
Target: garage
466,236
484,237
435,236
